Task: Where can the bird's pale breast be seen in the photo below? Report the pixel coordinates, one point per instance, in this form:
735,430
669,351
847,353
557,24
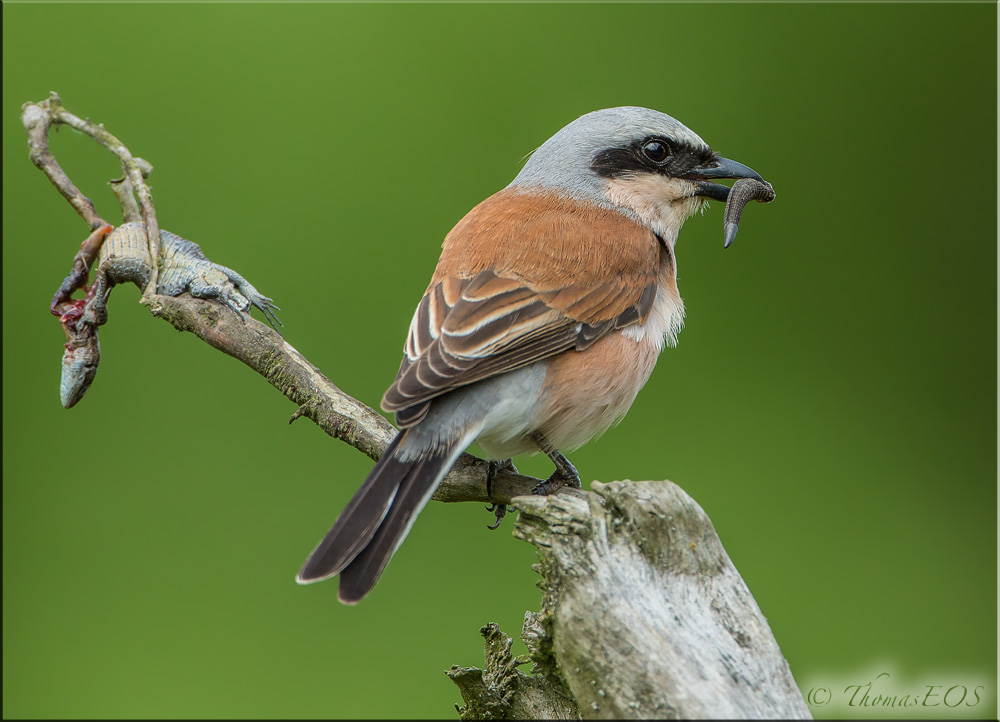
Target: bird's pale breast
583,393
586,393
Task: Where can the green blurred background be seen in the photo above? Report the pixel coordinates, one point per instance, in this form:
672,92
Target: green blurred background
832,403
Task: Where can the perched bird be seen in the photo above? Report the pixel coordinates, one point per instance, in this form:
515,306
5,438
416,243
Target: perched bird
549,306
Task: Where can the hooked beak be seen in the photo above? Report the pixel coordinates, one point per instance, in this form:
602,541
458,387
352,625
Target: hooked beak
722,168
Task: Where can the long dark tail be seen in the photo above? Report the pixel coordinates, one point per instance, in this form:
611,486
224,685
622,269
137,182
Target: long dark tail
377,519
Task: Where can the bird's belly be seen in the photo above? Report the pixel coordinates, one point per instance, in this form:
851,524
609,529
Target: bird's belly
582,395
586,393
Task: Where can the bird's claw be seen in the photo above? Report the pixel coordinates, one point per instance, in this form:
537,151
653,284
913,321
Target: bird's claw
557,481
500,510
565,473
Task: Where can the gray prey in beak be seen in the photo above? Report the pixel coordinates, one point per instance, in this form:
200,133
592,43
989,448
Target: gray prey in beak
749,187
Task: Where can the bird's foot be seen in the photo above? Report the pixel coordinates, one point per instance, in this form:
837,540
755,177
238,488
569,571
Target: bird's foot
565,473
498,509
557,481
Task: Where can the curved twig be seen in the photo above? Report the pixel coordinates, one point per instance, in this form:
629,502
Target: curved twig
38,118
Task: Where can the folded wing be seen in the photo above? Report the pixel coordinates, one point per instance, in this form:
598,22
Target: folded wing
505,305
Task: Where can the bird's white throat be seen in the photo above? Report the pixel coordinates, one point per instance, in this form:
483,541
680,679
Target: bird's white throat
658,202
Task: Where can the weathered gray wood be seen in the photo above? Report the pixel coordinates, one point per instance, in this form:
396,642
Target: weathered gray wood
502,691
644,614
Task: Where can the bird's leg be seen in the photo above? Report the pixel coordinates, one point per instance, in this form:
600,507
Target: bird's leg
492,467
565,473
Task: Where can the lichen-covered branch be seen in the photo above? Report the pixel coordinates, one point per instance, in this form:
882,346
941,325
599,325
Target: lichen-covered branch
643,613
502,691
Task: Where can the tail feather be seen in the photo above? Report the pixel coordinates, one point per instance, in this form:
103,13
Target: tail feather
415,490
359,520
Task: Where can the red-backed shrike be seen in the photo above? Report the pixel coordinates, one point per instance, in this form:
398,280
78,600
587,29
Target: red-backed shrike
545,316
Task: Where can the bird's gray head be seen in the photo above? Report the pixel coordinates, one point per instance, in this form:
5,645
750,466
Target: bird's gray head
636,160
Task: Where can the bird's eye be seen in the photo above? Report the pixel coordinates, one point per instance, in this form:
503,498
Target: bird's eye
657,151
